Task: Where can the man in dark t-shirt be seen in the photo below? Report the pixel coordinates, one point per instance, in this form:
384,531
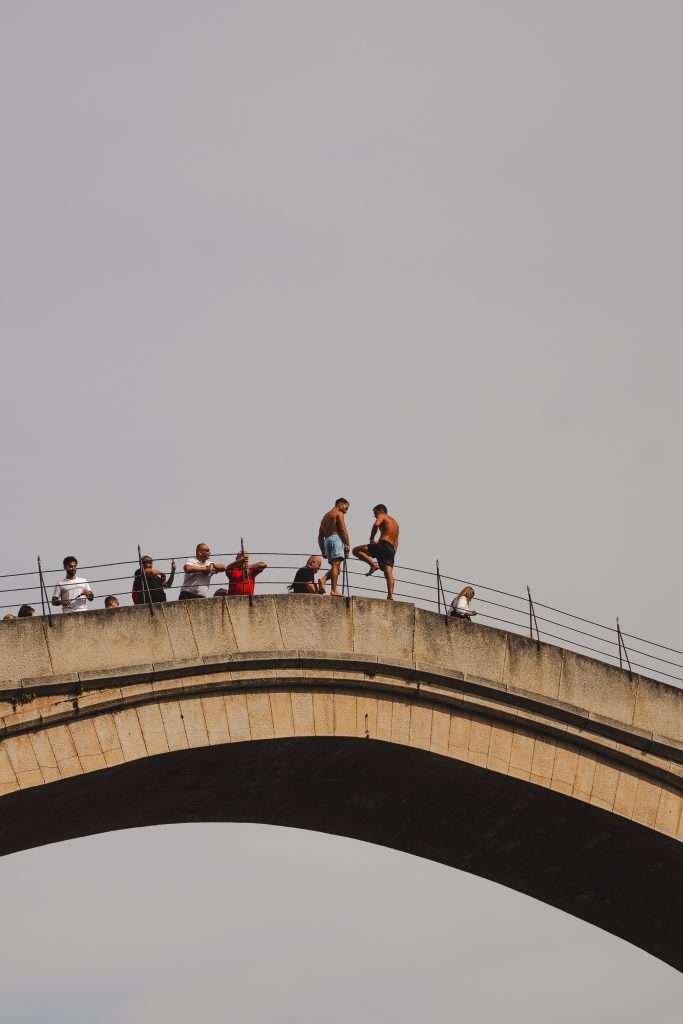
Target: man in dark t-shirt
305,581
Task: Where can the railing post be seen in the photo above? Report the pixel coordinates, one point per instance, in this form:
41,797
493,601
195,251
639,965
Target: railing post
533,621
622,644
346,583
144,584
44,598
440,593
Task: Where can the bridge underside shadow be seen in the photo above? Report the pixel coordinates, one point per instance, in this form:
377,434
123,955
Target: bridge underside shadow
594,865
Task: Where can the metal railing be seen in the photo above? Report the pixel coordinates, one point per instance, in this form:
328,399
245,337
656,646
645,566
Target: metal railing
435,590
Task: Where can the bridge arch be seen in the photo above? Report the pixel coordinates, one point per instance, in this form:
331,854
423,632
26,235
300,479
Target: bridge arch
526,764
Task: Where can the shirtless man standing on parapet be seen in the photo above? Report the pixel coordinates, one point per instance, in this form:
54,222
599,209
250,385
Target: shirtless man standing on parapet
380,555
333,541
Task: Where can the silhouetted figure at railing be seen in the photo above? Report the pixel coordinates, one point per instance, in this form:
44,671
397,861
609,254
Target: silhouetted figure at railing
26,611
151,588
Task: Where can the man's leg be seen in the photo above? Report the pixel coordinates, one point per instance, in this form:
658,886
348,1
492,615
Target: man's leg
388,571
362,552
334,576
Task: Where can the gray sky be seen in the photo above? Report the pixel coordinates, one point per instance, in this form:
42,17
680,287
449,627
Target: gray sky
255,255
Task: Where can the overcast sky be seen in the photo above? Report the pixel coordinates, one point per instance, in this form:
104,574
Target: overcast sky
255,255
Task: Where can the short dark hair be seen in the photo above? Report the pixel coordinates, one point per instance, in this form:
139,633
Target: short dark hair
110,597
69,558
380,508
25,611
344,501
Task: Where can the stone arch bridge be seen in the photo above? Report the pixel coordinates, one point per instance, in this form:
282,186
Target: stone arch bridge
541,769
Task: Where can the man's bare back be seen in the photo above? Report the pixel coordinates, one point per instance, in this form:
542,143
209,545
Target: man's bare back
333,522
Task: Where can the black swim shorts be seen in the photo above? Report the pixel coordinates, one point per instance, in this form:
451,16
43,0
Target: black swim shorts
383,552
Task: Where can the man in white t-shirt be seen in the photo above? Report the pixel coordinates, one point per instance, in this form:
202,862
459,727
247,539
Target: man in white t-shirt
198,573
73,592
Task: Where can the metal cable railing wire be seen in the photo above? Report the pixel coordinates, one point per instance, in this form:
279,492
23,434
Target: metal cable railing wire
406,588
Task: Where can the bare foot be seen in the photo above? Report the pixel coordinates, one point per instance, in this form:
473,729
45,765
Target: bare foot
373,568
335,593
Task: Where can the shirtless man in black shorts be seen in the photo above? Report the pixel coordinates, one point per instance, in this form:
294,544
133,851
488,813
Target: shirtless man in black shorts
380,554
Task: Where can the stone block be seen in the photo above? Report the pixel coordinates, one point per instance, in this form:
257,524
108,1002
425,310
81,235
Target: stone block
314,623
383,628
23,650
100,640
460,646
323,712
212,627
129,732
260,717
174,725
255,625
669,812
400,722
84,737
533,668
659,709
238,717
281,710
153,731
441,724
420,727
625,796
459,736
216,718
193,720
597,687
344,714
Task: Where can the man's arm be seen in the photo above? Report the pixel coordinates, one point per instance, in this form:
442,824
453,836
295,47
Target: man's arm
257,567
342,531
202,567
169,582
321,538
376,526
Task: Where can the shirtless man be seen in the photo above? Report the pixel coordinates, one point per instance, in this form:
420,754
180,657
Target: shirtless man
333,541
380,554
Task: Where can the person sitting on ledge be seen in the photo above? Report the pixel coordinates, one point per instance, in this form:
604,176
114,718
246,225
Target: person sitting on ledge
198,573
380,554
73,592
26,611
305,581
460,605
152,589
241,575
112,601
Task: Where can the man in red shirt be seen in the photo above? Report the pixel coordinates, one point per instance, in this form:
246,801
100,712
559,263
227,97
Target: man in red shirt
241,575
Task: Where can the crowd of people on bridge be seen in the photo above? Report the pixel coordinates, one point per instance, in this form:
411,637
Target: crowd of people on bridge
73,592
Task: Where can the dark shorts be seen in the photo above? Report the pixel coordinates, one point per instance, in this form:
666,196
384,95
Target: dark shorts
383,552
186,595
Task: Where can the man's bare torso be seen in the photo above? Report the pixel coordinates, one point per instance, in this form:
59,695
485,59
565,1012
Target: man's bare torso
388,530
332,522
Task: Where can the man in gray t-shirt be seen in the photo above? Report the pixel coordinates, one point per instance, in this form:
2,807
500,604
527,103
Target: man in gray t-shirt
198,573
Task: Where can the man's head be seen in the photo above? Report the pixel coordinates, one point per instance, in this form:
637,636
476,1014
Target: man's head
26,611
242,556
314,563
203,551
111,602
343,504
70,564
147,561
380,510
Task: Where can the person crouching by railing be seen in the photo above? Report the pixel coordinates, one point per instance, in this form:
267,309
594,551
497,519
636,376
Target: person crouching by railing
152,588
460,605
305,581
241,575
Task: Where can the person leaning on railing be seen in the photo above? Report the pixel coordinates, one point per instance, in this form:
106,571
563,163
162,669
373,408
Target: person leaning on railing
73,592
241,575
198,573
152,588
460,605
